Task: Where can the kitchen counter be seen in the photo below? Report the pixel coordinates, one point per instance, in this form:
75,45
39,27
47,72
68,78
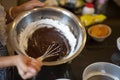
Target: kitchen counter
93,51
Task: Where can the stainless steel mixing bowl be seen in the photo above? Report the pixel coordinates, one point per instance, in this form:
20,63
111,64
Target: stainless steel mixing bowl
55,13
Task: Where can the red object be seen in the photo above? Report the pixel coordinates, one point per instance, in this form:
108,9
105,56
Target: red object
89,5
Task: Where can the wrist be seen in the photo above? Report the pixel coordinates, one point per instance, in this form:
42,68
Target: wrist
13,60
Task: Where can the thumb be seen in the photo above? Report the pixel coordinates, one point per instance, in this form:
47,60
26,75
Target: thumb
30,73
21,73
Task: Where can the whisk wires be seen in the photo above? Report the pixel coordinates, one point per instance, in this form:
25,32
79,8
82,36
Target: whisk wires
52,50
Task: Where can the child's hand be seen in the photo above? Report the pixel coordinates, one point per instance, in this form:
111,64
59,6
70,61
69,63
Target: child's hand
27,67
26,6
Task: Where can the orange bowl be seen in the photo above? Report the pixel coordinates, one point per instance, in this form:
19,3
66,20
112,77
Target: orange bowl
99,32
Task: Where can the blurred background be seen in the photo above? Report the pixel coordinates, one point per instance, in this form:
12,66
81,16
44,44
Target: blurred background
75,6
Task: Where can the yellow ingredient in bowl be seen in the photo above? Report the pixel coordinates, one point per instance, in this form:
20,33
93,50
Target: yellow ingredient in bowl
99,31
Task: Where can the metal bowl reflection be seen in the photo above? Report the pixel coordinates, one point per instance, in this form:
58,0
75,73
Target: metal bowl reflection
55,13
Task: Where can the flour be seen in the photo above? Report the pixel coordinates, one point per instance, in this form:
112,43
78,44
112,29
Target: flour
30,29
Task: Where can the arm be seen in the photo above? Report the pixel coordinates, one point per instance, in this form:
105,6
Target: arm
27,67
15,11
7,61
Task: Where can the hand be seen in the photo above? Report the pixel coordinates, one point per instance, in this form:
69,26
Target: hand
27,67
26,6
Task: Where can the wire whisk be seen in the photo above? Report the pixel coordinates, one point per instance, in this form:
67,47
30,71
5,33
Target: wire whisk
52,50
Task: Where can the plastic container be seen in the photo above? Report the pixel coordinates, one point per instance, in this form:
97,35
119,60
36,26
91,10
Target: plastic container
101,71
118,43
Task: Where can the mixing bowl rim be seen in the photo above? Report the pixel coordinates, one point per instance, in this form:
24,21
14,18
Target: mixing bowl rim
66,12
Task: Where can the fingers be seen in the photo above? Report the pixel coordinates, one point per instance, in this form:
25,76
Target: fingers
36,64
28,67
33,69
34,0
21,72
38,3
26,6
30,5
23,61
29,74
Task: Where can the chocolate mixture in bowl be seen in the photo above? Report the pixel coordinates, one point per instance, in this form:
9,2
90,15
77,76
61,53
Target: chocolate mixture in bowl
42,38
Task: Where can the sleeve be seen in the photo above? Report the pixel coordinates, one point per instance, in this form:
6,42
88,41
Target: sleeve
2,25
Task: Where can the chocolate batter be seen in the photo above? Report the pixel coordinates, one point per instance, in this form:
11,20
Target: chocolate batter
42,38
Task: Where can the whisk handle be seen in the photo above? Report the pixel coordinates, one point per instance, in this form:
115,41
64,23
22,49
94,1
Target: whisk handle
40,58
